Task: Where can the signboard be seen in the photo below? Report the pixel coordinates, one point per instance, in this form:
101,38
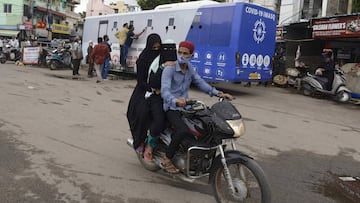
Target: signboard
336,27
31,55
62,29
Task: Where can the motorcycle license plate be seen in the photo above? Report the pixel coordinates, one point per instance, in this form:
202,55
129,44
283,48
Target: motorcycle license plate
254,76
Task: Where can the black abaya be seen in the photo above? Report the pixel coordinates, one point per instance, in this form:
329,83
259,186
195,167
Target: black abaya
138,110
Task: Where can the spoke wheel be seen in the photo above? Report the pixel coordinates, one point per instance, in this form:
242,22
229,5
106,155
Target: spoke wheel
249,183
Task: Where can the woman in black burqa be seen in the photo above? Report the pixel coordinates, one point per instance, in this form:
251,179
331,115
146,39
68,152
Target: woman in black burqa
138,110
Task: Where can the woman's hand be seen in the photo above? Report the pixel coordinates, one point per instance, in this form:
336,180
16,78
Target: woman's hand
168,63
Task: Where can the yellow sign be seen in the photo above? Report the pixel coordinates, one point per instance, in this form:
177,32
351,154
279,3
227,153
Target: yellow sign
62,29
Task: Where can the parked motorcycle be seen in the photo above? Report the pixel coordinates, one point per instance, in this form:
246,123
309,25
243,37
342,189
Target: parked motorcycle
10,54
60,58
315,84
210,150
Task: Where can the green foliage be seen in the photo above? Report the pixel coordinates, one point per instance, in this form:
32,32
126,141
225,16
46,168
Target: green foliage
356,6
151,4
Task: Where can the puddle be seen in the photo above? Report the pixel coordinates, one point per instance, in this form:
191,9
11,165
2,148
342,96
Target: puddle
338,189
303,176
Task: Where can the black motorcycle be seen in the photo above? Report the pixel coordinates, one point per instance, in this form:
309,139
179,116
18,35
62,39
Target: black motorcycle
210,150
10,54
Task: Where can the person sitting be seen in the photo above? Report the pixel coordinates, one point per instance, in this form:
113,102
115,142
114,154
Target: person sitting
175,85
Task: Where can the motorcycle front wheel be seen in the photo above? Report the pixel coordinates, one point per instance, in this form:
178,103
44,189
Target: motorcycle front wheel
343,96
248,179
53,65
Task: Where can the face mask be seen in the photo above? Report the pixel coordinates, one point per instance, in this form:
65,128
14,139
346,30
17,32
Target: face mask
181,59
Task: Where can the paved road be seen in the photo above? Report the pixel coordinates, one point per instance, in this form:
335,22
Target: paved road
64,140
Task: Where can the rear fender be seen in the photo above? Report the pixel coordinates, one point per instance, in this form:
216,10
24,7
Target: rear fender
229,155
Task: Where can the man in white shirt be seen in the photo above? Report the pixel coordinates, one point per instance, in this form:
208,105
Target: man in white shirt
14,43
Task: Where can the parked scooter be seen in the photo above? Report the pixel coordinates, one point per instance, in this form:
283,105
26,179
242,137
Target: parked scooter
60,58
295,75
315,84
10,54
210,150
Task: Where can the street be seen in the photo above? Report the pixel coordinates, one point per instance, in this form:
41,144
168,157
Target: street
64,140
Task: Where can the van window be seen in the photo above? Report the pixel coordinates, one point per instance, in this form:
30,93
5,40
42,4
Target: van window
171,21
149,23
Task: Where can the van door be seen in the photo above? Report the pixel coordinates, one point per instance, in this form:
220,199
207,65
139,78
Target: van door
103,27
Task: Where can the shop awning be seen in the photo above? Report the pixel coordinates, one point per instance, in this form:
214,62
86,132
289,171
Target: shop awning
9,33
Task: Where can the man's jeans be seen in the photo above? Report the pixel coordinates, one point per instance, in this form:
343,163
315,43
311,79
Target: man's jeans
124,55
105,68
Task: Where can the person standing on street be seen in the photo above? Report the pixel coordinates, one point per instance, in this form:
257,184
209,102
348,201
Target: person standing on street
106,65
77,56
121,35
88,61
129,40
98,56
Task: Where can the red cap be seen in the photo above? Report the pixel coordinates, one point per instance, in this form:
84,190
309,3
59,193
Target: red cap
188,45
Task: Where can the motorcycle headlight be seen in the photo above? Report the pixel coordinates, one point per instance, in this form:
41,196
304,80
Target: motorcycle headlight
238,127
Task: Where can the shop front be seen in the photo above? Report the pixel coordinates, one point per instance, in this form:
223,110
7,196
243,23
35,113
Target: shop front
341,34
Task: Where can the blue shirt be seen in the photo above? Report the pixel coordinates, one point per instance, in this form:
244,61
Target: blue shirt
175,84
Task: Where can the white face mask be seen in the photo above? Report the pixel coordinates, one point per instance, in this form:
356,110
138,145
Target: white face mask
181,59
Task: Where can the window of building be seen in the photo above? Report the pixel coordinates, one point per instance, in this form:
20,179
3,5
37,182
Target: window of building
7,8
116,10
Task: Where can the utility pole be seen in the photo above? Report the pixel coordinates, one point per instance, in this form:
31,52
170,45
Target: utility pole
349,8
49,19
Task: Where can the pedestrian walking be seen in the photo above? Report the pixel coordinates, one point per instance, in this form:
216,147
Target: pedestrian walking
106,66
98,56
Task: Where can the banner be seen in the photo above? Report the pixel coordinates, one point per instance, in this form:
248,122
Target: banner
348,26
31,55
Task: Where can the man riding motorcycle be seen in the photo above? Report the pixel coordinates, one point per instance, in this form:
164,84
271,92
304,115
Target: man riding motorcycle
327,69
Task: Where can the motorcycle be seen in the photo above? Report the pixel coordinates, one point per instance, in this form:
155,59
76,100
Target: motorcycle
315,84
60,58
210,151
10,54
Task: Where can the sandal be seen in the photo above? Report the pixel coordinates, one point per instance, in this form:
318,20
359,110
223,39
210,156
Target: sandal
148,156
169,166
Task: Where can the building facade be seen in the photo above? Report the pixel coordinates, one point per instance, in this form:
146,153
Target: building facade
292,11
40,19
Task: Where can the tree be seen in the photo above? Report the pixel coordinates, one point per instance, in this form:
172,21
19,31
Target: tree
151,4
356,6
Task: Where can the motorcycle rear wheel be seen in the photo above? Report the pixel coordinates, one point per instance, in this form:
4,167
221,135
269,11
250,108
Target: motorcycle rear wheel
249,182
307,89
151,166
343,96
